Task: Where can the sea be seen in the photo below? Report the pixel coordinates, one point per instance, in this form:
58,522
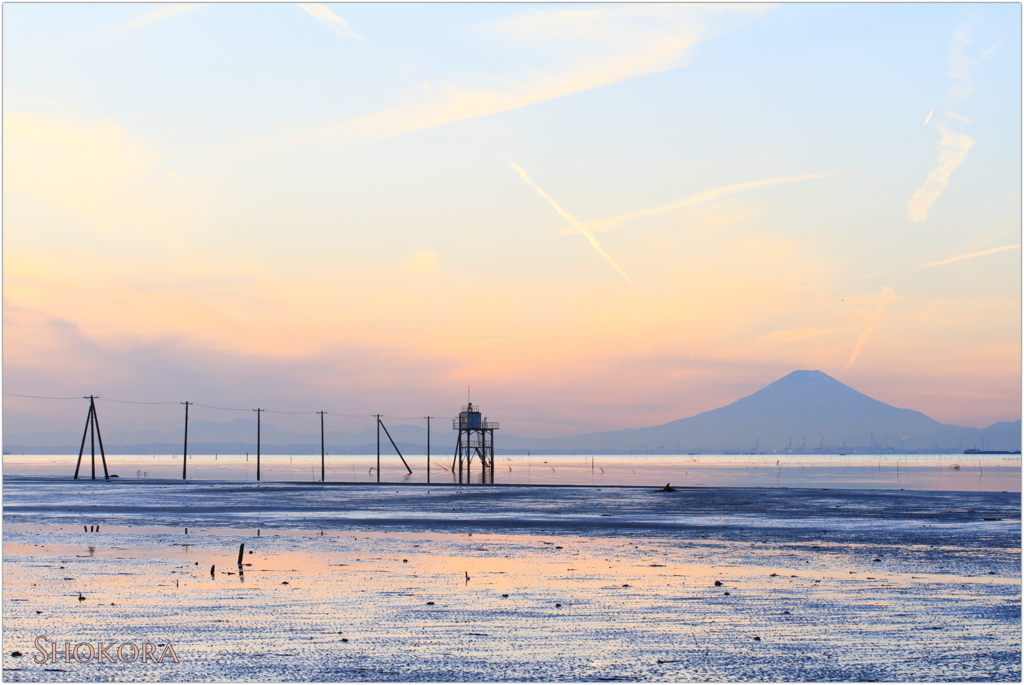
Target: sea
938,472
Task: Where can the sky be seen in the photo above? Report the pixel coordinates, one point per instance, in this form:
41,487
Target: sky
590,217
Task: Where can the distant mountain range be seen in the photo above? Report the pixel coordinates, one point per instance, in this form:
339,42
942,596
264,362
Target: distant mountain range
804,412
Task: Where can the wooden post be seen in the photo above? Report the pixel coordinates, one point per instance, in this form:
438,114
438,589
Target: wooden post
241,551
428,448
322,453
258,442
184,451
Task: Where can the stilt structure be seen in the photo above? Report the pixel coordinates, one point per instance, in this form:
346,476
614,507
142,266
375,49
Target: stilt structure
92,431
476,439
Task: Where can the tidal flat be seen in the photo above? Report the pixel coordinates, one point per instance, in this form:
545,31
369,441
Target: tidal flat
366,582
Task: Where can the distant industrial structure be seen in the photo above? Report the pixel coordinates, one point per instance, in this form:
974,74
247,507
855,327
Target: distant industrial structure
476,439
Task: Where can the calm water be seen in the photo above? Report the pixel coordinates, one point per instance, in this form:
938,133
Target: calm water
950,472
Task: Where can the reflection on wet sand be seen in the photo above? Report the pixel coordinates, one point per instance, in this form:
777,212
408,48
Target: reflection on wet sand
884,598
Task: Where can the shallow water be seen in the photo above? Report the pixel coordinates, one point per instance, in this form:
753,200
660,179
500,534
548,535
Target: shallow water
911,472
837,584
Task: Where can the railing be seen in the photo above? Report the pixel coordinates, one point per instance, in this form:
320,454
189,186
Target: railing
467,424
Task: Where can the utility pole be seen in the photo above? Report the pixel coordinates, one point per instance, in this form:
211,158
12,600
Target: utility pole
321,413
378,447
184,451
428,447
258,441
92,429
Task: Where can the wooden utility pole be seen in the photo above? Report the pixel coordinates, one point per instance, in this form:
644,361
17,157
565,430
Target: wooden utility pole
184,451
92,429
258,441
322,453
378,447
428,447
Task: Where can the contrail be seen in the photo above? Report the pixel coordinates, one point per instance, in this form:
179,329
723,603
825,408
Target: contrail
887,294
570,218
705,196
953,149
930,113
969,256
972,255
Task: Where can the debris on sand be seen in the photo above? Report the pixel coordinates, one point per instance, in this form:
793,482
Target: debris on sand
718,583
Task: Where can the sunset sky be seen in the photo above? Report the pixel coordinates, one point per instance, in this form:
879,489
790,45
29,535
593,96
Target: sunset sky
598,216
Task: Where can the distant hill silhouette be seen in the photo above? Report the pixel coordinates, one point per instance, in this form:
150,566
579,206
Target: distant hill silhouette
803,406
805,411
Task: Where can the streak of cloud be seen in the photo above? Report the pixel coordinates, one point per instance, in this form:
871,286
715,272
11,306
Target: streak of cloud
325,16
159,15
969,256
887,294
931,112
611,223
953,149
581,49
570,218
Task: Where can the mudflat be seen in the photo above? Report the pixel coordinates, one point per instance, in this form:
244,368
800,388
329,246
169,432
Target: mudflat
490,583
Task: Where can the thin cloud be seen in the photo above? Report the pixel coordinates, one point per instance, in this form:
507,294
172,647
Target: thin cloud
972,255
953,149
570,218
611,223
159,15
887,294
580,49
931,112
325,16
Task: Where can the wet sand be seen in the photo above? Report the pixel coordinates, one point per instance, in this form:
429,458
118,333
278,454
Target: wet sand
815,584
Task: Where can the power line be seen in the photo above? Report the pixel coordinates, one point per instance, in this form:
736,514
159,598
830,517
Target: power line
37,397
108,399
211,406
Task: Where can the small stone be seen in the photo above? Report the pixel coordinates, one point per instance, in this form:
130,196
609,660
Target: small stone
430,604
405,561
757,639
725,593
718,583
284,582
344,639
504,595
557,605
16,653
